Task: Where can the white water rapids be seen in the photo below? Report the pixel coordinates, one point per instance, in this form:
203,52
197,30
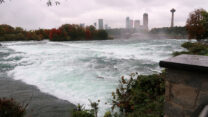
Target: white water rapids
78,71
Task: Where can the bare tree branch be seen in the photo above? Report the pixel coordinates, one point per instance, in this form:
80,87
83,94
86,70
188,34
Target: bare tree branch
2,1
49,2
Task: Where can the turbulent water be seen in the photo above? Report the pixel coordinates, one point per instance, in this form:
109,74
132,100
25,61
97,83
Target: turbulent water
79,71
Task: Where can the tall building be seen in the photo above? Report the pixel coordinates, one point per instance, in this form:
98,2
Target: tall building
127,22
131,24
95,25
137,24
145,21
100,24
106,26
82,25
172,18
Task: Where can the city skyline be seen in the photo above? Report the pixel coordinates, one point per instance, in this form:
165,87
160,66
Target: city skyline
136,23
20,13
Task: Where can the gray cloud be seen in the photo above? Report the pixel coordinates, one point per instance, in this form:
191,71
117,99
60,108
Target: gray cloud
33,14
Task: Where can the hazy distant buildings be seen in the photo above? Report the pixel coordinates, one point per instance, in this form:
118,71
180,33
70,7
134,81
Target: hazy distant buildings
172,18
127,23
100,24
106,26
95,24
131,24
145,21
136,24
82,25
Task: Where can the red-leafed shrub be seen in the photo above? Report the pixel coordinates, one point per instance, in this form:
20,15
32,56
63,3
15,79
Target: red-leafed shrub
88,34
10,108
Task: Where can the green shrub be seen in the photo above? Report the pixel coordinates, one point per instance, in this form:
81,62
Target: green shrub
20,36
102,34
9,37
148,96
193,48
10,108
108,114
2,39
94,106
81,112
179,53
143,96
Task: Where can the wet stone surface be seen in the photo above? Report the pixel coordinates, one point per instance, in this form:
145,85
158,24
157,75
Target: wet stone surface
187,62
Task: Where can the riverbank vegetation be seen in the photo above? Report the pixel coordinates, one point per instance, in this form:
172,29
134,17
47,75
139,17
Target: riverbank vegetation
143,96
196,48
177,32
140,97
66,32
197,28
197,25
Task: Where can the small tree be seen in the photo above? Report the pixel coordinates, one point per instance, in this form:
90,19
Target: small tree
123,96
196,24
205,22
80,111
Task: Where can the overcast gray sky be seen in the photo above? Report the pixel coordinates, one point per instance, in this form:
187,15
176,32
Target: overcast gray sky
34,14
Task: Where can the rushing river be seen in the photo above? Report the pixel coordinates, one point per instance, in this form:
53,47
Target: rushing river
79,71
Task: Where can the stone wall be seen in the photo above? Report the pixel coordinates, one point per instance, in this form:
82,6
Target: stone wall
186,89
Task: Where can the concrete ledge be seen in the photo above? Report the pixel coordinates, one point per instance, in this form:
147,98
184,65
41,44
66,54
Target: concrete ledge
187,62
186,85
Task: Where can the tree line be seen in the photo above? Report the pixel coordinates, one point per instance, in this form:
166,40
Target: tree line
174,32
66,32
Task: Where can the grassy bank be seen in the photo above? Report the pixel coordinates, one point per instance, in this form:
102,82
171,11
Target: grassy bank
194,49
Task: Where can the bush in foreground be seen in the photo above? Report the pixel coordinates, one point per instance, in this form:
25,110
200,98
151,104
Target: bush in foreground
80,111
140,97
10,108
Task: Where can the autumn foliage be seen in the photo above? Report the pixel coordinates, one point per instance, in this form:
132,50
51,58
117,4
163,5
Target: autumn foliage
66,32
9,33
69,32
197,24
